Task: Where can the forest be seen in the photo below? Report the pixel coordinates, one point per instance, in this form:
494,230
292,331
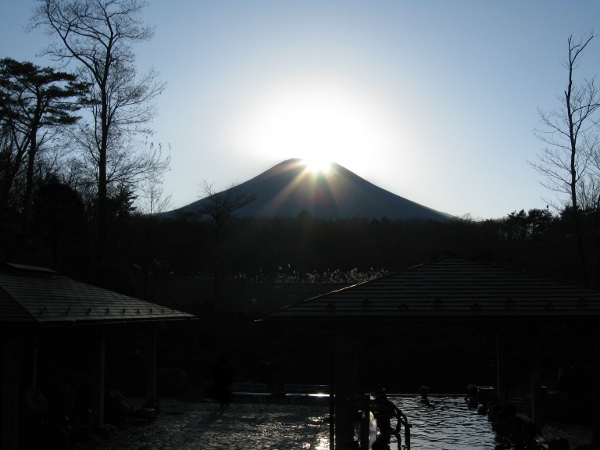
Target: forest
301,249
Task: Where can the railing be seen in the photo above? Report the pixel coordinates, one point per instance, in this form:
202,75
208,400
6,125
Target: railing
306,390
259,390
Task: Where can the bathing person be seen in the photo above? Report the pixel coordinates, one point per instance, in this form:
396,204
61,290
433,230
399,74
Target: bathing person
220,388
472,397
386,410
425,396
382,442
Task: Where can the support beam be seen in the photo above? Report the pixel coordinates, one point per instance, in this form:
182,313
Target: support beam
152,370
341,391
30,376
365,424
98,379
537,393
332,404
596,389
501,381
11,349
346,380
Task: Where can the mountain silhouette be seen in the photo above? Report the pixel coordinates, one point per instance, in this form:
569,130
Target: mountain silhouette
289,188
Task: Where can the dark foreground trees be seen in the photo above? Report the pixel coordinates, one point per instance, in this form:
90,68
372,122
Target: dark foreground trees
569,163
98,35
313,250
36,105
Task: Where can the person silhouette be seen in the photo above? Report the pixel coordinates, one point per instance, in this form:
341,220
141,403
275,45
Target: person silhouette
425,396
220,391
385,411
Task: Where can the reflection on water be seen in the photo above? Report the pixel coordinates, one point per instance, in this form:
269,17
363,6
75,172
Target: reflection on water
448,425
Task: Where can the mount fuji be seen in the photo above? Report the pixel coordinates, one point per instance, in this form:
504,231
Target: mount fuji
289,188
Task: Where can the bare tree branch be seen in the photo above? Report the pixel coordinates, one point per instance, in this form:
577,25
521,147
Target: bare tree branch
99,35
569,163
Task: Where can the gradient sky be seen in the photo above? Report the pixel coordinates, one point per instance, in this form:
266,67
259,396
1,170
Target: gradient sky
435,101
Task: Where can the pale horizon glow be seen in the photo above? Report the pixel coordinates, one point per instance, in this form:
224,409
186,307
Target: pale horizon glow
434,101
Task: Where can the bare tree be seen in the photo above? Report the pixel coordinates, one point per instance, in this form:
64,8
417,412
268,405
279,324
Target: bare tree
151,202
571,135
220,206
98,36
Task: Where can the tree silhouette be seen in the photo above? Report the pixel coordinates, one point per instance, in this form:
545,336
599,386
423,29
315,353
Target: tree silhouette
220,206
34,102
98,36
59,222
571,133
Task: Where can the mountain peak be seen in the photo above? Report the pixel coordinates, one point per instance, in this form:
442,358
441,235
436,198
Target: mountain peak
289,188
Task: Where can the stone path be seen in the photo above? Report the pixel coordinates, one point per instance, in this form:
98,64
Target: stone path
243,426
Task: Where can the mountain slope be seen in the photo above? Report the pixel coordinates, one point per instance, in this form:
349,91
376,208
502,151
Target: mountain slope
288,188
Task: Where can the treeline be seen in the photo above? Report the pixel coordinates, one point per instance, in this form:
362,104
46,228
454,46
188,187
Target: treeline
304,248
311,249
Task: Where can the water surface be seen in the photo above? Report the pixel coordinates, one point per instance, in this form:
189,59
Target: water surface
447,425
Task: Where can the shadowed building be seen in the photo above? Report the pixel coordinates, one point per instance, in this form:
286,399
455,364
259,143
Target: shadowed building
36,306
450,291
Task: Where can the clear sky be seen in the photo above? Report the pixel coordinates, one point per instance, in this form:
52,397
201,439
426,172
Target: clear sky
435,101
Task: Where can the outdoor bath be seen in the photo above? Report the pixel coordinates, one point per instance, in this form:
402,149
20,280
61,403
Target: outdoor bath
448,425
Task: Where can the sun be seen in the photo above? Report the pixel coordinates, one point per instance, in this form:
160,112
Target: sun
317,165
320,121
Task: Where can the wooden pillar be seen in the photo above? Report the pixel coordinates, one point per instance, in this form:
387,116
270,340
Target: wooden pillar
151,375
501,382
596,389
98,378
345,381
11,349
341,391
332,389
537,396
31,362
365,424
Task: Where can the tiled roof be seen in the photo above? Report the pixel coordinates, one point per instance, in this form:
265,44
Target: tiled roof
451,286
37,295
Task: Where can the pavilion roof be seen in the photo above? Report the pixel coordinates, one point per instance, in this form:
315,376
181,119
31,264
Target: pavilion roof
34,295
454,287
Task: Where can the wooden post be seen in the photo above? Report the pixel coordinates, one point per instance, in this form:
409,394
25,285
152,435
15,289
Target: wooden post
341,391
365,424
346,386
34,361
596,389
537,397
332,389
344,383
98,377
151,397
29,375
11,390
501,386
